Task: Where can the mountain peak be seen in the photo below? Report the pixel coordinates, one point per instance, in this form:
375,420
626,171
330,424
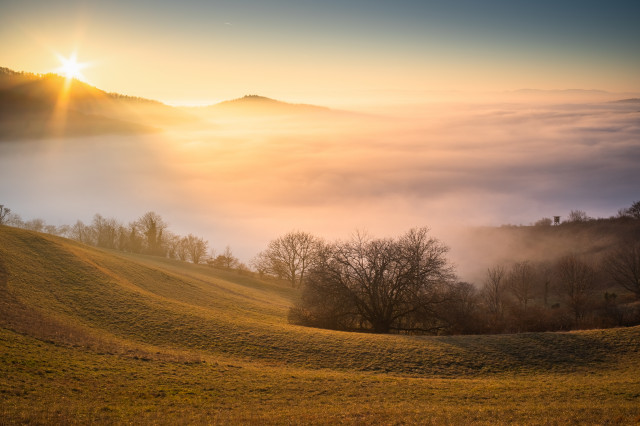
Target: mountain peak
261,105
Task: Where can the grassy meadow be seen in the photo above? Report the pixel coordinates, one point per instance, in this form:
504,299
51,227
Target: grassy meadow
92,335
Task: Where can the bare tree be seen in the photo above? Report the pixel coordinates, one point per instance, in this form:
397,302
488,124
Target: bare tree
576,281
4,214
226,260
135,238
493,294
289,257
632,212
460,311
182,249
521,283
380,284
172,243
106,231
623,266
577,216
15,220
545,221
196,247
36,224
152,227
82,233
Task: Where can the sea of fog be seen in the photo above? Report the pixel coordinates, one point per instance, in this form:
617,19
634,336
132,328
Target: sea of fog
245,181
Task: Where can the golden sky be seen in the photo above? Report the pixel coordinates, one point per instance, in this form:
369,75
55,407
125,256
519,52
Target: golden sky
329,52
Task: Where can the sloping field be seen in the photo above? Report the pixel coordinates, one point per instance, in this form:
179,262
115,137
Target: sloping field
95,335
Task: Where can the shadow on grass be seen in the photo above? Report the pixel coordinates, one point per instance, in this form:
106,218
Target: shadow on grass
553,352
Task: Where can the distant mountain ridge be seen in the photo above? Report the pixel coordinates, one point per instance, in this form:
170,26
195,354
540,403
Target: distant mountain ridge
628,101
31,106
36,106
564,91
31,84
255,104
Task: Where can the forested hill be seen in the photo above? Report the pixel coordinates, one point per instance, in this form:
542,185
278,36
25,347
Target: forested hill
35,106
593,239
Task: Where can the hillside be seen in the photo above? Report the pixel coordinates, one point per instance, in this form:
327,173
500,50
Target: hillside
260,105
35,106
40,106
98,335
491,246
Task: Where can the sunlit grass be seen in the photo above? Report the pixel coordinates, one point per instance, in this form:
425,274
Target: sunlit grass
92,335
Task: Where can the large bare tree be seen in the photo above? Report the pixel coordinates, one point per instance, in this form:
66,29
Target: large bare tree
379,284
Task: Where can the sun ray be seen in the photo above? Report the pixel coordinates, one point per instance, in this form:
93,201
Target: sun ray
71,68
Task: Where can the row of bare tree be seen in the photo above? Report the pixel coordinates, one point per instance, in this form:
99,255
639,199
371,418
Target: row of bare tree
407,285
572,292
149,234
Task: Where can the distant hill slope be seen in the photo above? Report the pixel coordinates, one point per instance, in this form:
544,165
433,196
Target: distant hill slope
57,289
39,106
260,105
486,247
628,101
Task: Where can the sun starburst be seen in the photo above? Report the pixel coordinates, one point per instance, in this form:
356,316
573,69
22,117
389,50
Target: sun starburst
71,68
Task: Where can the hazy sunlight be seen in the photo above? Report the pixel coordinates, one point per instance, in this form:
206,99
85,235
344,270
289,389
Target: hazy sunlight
71,68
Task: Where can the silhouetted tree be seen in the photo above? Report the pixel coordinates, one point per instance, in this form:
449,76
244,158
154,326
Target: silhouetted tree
577,216
576,281
545,221
623,266
632,212
460,310
289,257
521,283
379,284
493,295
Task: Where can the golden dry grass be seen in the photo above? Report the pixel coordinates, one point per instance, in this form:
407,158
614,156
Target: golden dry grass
91,335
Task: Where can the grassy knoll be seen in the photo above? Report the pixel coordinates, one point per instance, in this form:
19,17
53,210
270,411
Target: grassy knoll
94,335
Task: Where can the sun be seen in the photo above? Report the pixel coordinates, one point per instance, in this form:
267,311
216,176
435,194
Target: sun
71,68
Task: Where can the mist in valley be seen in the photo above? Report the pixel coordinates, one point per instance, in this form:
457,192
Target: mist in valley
246,177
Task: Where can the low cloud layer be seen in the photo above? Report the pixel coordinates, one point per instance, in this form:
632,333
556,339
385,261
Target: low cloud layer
245,182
